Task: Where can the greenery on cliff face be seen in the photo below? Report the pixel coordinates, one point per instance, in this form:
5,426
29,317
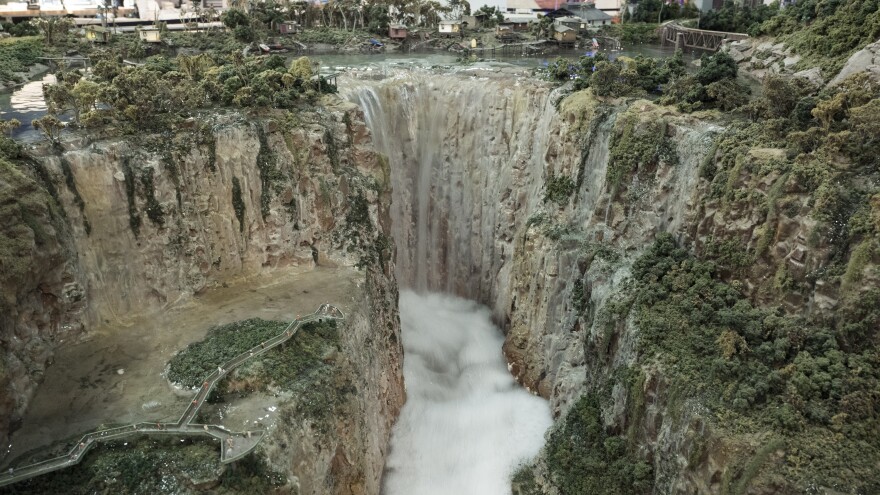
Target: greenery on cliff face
825,167
31,219
583,458
804,383
638,149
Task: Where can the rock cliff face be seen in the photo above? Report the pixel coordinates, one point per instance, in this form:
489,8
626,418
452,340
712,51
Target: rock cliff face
153,220
500,197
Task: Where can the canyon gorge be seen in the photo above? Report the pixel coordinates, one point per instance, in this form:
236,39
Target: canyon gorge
552,208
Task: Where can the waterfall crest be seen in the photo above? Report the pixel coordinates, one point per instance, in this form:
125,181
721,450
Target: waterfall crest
456,145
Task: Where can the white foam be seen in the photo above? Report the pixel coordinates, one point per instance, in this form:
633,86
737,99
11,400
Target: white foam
466,424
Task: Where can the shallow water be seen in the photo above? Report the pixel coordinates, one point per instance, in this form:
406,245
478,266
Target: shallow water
25,103
466,424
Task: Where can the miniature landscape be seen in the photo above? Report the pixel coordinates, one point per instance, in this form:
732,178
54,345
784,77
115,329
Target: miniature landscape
581,248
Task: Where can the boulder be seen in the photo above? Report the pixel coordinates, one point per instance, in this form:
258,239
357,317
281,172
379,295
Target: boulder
813,75
866,59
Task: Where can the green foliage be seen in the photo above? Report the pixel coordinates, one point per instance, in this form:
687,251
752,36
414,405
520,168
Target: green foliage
523,481
30,215
558,189
163,92
271,177
716,67
583,458
238,203
760,369
134,217
308,366
638,147
826,32
332,36
621,77
239,22
190,366
153,209
713,86
735,17
633,33
154,465
19,29
17,54
659,11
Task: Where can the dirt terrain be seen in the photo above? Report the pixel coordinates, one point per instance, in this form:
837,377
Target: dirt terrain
115,375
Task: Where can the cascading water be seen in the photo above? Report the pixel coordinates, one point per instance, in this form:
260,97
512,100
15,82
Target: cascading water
449,140
466,423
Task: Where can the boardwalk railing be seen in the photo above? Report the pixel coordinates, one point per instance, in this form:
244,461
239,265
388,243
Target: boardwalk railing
233,445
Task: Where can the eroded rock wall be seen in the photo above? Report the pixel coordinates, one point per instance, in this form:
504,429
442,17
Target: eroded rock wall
502,197
153,220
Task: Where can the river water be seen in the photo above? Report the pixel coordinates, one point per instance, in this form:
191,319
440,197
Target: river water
466,424
25,104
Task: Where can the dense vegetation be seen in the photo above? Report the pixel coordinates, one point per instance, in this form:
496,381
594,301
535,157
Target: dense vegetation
305,365
824,32
17,54
190,366
714,85
153,465
623,76
660,11
723,331
309,366
163,91
583,458
812,379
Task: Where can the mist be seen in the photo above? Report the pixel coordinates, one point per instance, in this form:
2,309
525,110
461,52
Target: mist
466,424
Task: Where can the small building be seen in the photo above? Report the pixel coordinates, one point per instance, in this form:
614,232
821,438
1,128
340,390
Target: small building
97,34
477,20
450,28
150,35
397,31
565,35
288,27
505,33
592,16
519,22
576,23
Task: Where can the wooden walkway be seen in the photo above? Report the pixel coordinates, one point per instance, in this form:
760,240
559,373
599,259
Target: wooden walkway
682,37
233,445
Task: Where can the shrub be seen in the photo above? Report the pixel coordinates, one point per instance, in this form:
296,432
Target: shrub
191,365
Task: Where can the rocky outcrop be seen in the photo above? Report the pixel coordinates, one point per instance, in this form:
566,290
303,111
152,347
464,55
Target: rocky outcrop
760,58
41,287
865,60
150,221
